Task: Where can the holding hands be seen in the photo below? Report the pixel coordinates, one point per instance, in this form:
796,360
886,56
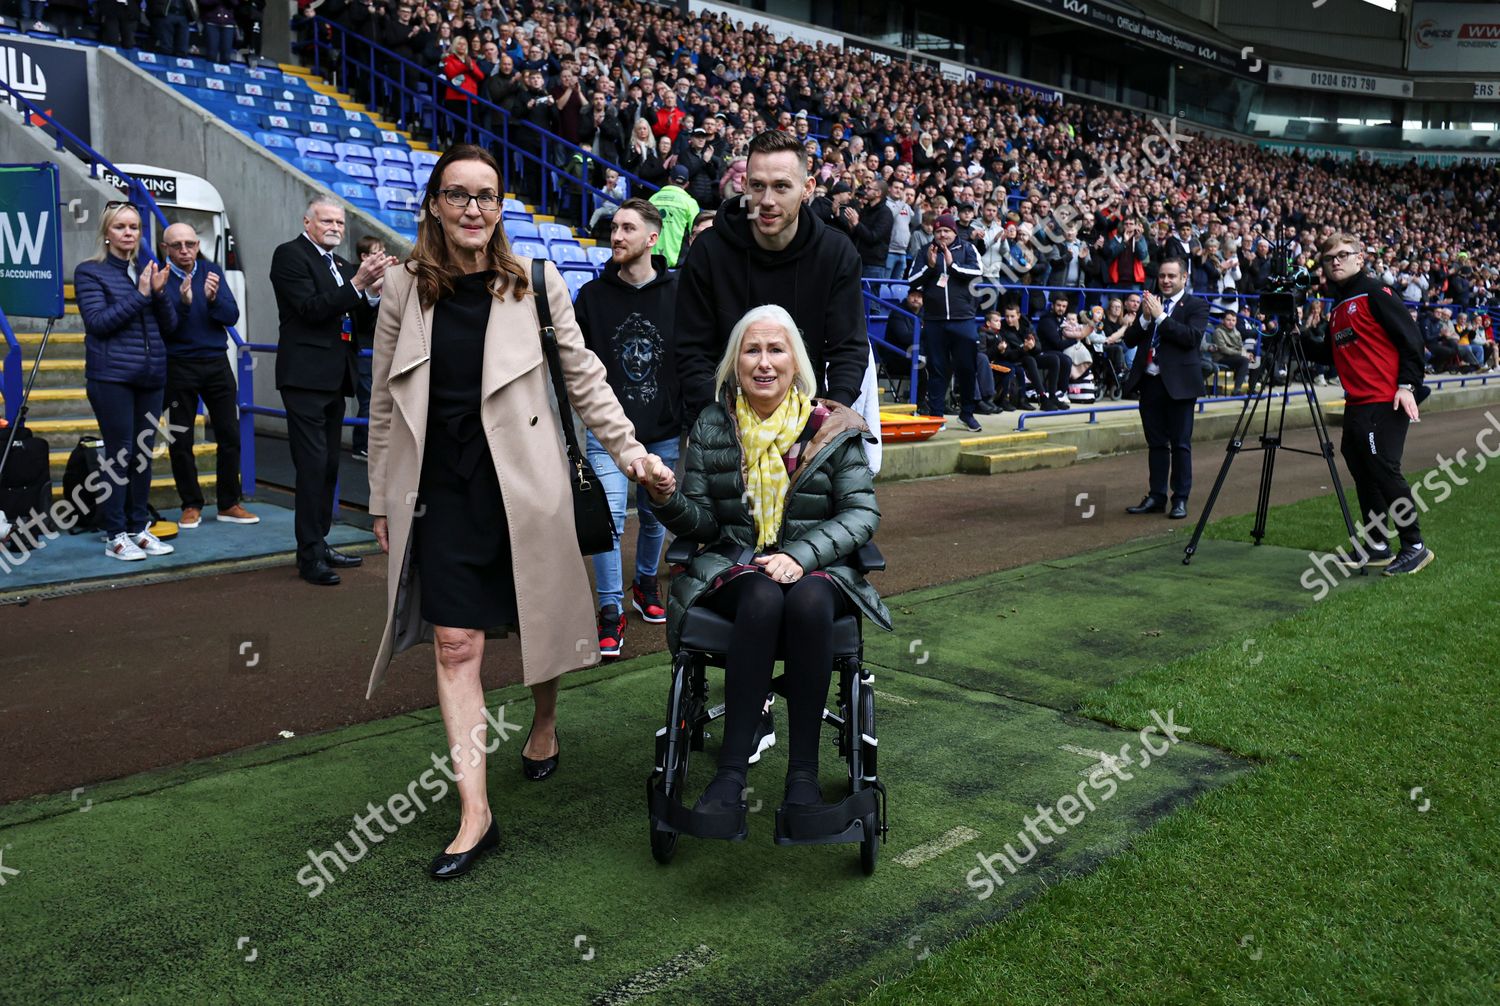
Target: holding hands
655,475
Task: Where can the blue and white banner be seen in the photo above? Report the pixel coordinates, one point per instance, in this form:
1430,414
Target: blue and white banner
31,263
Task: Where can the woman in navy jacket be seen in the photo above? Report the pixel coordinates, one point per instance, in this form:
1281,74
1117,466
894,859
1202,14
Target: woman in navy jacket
125,309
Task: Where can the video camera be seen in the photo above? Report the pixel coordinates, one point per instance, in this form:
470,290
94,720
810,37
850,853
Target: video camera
1286,284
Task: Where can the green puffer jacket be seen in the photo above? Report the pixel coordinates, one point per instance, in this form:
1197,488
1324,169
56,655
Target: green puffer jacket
830,509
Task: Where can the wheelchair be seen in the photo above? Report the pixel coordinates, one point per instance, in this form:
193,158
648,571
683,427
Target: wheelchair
858,818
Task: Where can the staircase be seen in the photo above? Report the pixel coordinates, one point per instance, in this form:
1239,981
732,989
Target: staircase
1012,452
59,406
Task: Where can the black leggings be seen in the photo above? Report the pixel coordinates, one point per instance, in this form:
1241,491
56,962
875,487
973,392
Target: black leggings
800,617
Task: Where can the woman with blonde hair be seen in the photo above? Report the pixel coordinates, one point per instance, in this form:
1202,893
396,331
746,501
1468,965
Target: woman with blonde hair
469,482
777,486
125,310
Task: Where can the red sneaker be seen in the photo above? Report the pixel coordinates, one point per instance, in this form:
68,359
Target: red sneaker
611,631
646,597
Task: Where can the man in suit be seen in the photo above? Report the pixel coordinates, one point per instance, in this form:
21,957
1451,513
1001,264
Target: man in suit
322,300
1166,374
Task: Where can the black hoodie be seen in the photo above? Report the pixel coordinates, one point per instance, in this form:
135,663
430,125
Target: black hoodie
630,329
816,278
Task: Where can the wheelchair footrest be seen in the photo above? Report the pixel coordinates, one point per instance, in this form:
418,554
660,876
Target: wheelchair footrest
668,814
849,820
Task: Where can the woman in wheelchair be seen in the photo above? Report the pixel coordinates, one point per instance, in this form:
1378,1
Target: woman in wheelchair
776,485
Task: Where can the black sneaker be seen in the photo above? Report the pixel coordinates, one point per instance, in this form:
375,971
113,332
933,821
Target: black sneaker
765,737
611,631
646,596
971,423
1409,560
1369,555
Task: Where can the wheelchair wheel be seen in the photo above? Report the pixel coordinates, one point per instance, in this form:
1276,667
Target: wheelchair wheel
664,846
869,848
673,747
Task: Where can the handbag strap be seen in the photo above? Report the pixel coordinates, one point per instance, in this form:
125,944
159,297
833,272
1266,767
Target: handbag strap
554,361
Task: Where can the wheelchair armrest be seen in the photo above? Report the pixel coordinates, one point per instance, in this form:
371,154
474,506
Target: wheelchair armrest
681,552
869,559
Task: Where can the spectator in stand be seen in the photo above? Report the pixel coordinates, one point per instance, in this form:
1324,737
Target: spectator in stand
950,343
67,16
668,116
987,234
703,168
871,230
1229,351
463,76
732,184
1127,256
1052,347
197,368
677,210
532,106
901,226
1015,347
117,22
170,23
626,316
921,237
218,29
600,131
125,308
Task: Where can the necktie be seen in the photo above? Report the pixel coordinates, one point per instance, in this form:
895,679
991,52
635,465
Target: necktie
1156,332
333,267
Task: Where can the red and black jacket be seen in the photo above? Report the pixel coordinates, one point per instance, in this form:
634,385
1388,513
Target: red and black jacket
1372,341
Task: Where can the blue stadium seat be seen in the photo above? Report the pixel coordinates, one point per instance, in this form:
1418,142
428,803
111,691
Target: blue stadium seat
399,221
554,231
421,174
354,152
311,147
420,157
274,141
219,84
242,120
398,177
511,217
356,133
387,157
354,171
566,253
396,199
320,169
598,254
516,206
531,249
575,280
281,124
357,194
179,78
522,230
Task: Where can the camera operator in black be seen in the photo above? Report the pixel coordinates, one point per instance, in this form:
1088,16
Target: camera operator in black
1378,352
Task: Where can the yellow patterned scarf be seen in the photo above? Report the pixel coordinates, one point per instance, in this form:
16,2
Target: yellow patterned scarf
765,441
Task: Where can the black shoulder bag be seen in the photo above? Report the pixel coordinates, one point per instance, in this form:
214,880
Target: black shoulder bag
591,516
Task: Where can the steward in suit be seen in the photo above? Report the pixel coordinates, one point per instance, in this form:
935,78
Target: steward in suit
321,300
1167,375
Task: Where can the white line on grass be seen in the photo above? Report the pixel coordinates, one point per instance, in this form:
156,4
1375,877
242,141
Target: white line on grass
653,980
946,842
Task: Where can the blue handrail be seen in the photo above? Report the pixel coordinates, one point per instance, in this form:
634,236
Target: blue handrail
430,90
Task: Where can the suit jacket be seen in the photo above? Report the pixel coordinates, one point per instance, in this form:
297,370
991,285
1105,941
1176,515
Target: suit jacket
312,353
1177,350
521,425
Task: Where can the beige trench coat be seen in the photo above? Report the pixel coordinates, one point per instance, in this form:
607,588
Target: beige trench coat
519,416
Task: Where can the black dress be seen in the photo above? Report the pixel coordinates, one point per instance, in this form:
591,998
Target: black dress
462,539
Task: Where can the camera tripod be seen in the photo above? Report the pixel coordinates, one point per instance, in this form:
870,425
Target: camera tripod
1286,352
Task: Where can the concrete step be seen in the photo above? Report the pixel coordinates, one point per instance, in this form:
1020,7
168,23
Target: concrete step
1015,459
993,441
57,456
65,430
71,323
905,408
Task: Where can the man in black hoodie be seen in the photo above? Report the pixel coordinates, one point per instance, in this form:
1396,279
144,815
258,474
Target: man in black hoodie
767,248
627,320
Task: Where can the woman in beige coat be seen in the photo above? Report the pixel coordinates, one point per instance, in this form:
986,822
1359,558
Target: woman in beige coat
468,475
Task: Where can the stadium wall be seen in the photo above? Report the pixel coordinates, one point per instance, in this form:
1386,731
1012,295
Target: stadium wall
80,221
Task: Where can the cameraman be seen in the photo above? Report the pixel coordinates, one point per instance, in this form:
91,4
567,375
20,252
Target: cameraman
1378,353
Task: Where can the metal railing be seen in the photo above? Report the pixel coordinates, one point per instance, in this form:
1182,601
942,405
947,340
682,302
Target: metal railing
417,90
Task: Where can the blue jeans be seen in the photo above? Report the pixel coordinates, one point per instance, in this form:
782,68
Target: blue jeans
127,417
895,265
873,272
650,537
218,41
31,11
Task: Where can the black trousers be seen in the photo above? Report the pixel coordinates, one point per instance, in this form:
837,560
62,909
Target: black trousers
117,24
952,347
1168,425
314,425
800,618
208,378
1373,441
1056,368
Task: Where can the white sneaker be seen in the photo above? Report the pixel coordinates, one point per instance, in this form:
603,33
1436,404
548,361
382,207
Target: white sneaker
1063,400
122,548
150,544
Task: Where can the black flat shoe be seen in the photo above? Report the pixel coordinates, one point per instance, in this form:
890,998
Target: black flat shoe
714,817
1178,511
338,560
319,573
448,865
802,790
1148,505
537,770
